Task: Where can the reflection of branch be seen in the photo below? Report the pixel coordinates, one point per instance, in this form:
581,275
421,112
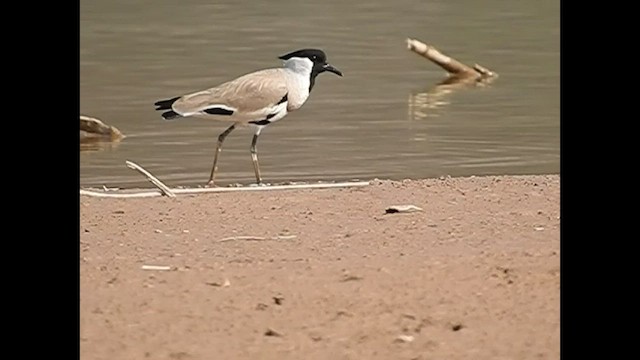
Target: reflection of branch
460,76
97,144
423,102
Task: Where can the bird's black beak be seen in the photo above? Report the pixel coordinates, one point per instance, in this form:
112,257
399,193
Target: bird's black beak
329,67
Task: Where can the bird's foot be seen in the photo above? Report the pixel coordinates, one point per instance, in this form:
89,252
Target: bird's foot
210,184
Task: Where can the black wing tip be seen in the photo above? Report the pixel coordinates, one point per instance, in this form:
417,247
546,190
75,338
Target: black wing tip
166,104
170,115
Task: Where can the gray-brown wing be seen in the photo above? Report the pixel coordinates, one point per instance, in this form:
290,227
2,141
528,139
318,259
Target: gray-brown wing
252,94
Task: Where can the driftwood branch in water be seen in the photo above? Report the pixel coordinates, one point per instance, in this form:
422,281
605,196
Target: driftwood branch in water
451,65
92,129
460,76
483,70
163,188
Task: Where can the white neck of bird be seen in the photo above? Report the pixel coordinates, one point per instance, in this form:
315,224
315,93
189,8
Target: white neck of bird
300,66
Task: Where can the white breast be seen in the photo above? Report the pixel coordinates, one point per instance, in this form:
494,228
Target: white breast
298,92
298,72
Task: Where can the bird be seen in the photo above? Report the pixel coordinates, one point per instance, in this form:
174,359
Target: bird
256,99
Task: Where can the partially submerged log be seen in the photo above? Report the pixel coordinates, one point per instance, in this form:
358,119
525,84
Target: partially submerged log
422,103
92,129
457,70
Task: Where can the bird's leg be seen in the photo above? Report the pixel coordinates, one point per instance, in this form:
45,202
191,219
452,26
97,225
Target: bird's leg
254,156
221,138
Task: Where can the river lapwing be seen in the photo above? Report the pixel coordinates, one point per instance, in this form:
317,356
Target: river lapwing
256,99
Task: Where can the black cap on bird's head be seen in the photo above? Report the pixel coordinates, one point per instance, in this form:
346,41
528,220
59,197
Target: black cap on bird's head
318,58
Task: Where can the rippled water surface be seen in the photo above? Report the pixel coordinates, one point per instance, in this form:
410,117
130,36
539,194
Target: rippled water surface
386,117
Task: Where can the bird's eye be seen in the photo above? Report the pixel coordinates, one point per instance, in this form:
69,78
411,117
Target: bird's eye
314,57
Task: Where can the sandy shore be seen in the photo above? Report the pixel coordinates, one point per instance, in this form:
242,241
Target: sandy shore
326,274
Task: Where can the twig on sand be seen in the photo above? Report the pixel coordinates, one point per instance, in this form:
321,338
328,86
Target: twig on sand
164,188
257,238
155,267
154,193
144,194
248,238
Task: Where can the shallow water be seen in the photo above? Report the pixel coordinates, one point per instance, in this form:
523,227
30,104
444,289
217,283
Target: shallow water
384,118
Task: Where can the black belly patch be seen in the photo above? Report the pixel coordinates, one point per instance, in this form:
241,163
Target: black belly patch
284,99
263,121
218,111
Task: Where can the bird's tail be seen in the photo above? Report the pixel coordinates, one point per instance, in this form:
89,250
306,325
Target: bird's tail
166,105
